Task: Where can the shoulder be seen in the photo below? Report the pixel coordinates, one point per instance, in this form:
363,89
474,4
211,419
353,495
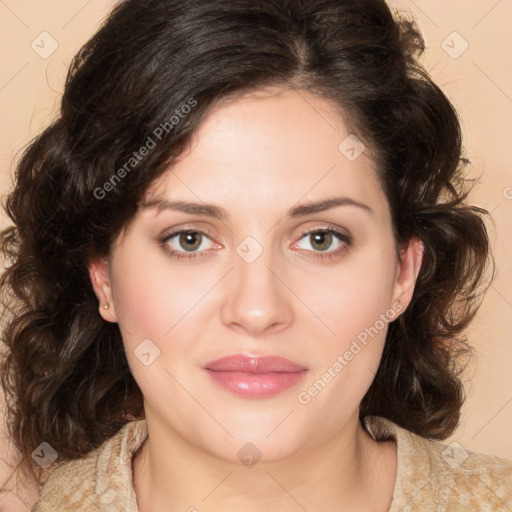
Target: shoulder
444,477
102,478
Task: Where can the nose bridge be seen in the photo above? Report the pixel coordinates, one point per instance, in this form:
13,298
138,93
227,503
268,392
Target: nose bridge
257,298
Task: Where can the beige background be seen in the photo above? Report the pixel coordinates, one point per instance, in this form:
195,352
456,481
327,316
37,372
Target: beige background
478,81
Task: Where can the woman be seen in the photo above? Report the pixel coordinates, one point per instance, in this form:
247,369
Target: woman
241,266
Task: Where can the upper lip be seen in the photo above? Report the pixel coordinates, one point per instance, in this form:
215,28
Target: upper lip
253,364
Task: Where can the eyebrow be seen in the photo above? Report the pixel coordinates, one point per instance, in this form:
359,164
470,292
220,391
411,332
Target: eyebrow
210,210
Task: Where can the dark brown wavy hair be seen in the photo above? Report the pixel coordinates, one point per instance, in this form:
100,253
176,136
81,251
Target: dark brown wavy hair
65,374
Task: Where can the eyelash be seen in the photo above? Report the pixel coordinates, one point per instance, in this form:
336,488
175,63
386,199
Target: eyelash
342,237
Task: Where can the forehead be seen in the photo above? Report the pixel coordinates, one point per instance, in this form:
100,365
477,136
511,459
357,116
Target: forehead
267,151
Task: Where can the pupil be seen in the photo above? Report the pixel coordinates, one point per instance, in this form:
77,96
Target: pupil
187,238
326,237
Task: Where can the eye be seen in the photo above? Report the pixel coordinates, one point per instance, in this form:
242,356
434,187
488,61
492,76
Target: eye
186,243
190,244
320,239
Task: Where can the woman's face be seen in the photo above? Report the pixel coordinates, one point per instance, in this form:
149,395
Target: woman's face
273,276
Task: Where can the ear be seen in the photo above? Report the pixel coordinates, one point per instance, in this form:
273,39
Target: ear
100,280
411,258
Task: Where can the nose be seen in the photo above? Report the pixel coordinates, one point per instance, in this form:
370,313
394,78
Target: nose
258,300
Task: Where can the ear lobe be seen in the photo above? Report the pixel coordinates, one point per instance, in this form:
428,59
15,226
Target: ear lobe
408,271
100,280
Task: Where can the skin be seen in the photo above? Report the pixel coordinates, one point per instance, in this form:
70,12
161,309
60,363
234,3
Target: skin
257,157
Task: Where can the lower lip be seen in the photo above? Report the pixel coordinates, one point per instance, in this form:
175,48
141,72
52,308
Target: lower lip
256,385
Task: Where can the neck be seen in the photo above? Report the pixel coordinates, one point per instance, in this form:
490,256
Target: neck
350,472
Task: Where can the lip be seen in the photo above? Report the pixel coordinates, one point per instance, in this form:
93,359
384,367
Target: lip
255,376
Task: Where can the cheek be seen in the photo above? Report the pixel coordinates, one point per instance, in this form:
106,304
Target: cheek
165,304
139,301
153,306
152,295
353,297
354,304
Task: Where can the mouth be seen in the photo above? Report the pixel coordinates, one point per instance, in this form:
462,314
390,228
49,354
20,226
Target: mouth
255,376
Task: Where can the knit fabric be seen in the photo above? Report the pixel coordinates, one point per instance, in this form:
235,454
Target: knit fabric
431,476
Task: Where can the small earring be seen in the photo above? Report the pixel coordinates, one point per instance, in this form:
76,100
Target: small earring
106,306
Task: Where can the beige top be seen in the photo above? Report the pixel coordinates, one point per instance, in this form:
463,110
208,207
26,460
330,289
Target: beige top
431,476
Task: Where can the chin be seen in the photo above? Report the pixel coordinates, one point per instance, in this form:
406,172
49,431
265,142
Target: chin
261,439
